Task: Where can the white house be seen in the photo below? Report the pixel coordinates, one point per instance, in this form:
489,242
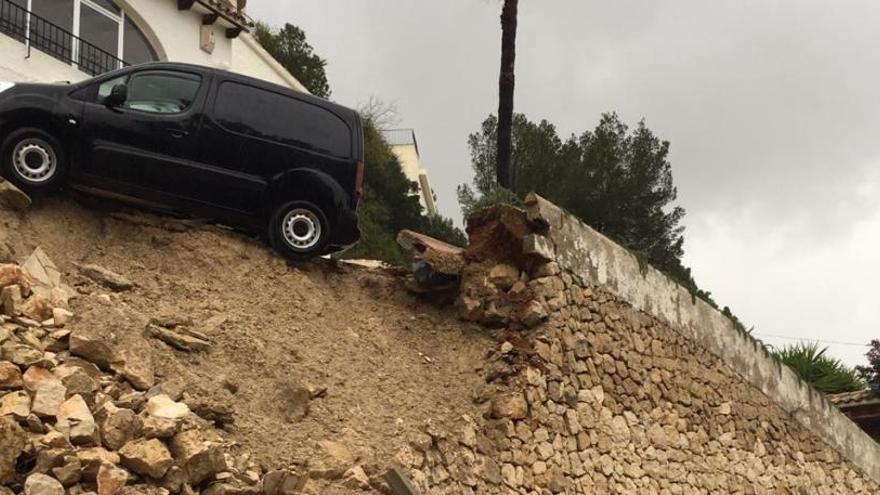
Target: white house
404,145
70,40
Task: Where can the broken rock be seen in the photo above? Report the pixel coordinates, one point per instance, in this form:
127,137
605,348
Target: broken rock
78,382
61,316
146,457
20,354
10,300
76,421
119,426
48,391
511,405
68,474
161,406
111,479
533,313
107,278
41,484
93,349
138,370
334,462
219,413
178,340
92,459
15,275
38,308
13,198
356,478
16,404
13,441
284,482
10,376
503,276
154,427
199,453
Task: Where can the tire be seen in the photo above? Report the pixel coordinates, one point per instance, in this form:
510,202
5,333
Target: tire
33,160
299,230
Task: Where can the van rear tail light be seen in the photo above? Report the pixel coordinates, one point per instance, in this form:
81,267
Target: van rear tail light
359,183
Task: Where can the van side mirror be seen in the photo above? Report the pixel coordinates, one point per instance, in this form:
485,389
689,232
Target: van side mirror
118,95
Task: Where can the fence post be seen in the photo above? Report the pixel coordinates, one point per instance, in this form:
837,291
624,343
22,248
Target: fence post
27,27
74,38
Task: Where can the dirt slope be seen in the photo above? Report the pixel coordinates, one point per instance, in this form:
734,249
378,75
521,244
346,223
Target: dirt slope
389,362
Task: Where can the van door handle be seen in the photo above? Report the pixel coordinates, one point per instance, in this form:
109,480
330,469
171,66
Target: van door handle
178,133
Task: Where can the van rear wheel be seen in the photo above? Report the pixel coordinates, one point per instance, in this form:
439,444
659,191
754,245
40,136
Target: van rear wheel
299,230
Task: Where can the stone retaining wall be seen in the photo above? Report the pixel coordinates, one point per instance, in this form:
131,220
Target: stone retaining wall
609,378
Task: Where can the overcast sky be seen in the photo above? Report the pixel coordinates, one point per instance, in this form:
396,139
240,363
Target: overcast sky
772,109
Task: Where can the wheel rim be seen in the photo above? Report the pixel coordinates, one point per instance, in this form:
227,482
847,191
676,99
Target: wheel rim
301,229
34,160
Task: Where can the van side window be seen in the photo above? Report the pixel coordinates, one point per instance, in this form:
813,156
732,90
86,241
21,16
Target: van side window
107,86
273,116
162,92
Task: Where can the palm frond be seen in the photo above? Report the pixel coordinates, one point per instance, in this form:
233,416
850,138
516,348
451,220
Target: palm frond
826,374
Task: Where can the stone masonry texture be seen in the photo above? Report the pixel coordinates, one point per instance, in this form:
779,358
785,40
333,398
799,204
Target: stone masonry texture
589,394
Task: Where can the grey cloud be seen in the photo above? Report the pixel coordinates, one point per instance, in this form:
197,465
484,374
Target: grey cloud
772,109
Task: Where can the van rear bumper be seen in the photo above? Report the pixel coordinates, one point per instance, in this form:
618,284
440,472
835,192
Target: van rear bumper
347,232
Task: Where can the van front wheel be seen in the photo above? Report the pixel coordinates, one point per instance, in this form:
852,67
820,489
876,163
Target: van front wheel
33,160
299,230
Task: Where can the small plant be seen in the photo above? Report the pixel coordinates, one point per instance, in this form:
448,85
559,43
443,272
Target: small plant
824,373
498,195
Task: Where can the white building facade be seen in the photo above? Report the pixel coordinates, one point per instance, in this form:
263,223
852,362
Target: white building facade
71,40
404,145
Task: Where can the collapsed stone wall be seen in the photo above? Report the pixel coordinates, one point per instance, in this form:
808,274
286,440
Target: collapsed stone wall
589,394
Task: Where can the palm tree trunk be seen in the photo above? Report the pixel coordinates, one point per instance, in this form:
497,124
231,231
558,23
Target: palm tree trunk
505,93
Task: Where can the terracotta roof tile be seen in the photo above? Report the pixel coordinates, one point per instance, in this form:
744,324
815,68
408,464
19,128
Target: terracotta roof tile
851,398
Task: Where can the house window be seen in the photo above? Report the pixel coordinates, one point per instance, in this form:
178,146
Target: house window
58,12
102,25
137,49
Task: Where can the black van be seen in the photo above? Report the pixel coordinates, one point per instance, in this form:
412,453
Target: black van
196,140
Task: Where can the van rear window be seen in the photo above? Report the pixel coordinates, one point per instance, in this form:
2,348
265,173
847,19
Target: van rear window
268,115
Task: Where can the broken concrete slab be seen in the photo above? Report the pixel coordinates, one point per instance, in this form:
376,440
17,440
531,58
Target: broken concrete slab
42,269
436,264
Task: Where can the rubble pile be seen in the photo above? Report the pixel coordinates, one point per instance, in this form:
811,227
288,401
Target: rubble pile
75,419
79,416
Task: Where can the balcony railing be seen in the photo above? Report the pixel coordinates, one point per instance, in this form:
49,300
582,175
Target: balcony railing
36,32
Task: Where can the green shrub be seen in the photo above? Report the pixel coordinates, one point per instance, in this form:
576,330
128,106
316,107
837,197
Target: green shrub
825,373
